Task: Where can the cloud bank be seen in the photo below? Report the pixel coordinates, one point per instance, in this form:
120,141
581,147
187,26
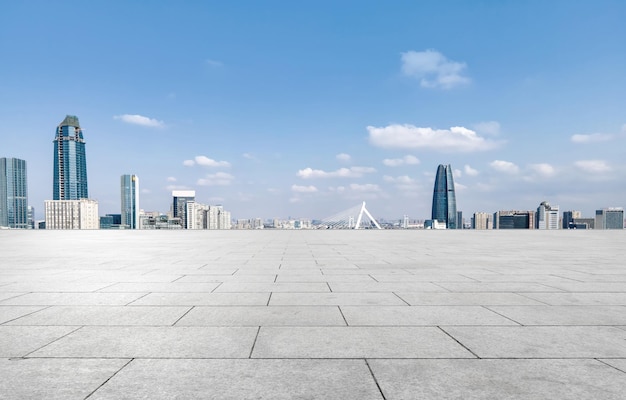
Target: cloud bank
455,139
433,69
136,119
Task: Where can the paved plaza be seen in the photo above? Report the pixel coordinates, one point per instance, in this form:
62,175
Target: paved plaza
312,314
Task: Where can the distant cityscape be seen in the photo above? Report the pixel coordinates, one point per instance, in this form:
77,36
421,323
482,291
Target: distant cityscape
71,207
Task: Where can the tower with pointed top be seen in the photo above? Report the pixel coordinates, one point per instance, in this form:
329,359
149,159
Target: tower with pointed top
70,164
444,198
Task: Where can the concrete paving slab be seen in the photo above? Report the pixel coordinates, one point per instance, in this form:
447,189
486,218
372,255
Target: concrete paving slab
498,379
564,315
54,379
18,341
203,299
263,316
356,342
266,278
241,379
152,342
541,341
173,287
440,277
9,313
78,299
618,287
103,315
579,299
335,299
371,287
232,287
10,295
466,299
324,278
421,316
618,363
518,287
55,287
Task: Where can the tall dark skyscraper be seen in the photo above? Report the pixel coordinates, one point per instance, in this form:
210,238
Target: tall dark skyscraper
444,199
70,165
13,193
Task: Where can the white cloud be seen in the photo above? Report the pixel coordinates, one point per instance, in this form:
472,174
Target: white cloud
504,166
303,189
408,136
248,156
543,169
488,128
171,179
594,166
470,171
169,188
624,128
368,187
136,119
459,187
404,179
146,191
217,179
353,172
406,160
592,138
205,162
343,157
457,173
433,69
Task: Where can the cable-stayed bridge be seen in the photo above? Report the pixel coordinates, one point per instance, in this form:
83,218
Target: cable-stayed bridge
357,217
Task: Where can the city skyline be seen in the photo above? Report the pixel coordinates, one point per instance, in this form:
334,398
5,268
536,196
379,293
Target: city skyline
278,110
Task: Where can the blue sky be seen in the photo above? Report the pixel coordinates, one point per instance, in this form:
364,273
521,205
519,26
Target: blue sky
304,109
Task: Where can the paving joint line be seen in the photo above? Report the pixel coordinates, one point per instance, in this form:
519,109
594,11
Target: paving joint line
269,298
375,380
111,377
254,343
25,315
138,298
461,344
343,316
215,288
182,316
504,316
55,340
406,302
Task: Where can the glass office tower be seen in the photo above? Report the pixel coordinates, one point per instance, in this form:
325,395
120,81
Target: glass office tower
444,199
13,194
129,185
70,165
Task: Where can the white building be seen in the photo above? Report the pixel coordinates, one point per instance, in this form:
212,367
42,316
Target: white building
547,216
72,214
202,216
483,220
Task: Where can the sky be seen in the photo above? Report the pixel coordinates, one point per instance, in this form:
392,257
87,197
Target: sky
303,109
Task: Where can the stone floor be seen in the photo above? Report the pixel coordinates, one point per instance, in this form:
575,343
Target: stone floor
312,314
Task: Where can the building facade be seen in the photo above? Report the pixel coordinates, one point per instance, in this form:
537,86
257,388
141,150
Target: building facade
514,220
547,216
444,198
610,218
13,194
179,204
129,189
482,221
70,164
72,214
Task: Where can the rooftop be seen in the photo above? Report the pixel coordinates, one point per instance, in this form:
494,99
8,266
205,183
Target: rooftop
312,314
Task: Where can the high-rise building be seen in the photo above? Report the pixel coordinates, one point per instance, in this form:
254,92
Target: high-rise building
547,216
179,204
129,188
610,218
514,220
444,198
70,165
482,220
569,217
72,214
13,194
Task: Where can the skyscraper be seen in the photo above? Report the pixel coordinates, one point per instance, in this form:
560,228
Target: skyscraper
129,185
547,216
610,218
13,193
179,204
70,165
444,199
